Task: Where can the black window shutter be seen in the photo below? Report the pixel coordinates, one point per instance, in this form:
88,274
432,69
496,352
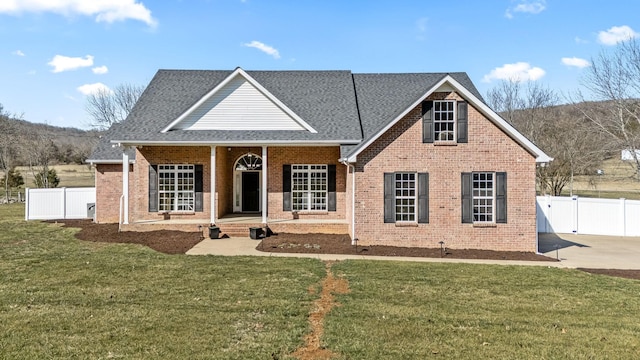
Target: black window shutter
331,187
427,122
423,198
467,199
286,187
389,199
463,122
501,197
198,188
153,188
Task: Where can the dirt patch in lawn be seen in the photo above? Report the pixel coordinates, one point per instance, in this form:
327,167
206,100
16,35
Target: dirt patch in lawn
341,244
321,307
164,241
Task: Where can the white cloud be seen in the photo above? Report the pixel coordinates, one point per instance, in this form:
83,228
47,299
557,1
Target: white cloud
107,11
520,71
580,40
264,48
421,25
577,62
88,89
616,34
17,53
100,70
527,6
62,63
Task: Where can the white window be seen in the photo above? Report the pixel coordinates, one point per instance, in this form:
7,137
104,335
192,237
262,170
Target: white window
483,197
176,187
405,197
309,187
444,120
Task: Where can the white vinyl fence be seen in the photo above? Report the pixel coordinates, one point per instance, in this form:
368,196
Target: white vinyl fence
59,203
589,216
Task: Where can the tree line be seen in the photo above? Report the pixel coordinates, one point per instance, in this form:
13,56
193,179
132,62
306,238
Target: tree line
589,127
38,146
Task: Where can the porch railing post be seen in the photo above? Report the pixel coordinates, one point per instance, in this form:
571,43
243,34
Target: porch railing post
125,185
213,184
264,185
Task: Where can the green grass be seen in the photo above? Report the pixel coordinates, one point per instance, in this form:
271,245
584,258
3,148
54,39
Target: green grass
460,311
64,298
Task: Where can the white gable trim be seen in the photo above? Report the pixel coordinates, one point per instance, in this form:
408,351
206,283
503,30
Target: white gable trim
253,82
445,83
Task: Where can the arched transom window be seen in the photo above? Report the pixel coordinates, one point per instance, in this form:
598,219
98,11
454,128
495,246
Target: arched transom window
249,162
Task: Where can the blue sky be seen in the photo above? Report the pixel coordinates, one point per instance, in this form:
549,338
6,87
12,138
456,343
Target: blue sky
54,52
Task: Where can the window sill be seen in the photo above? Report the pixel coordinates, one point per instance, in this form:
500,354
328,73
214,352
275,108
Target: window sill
445,143
406,224
485,225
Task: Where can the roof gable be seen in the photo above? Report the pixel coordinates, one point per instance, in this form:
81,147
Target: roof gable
448,82
239,103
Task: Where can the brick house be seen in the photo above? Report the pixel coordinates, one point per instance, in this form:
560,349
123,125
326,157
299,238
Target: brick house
390,159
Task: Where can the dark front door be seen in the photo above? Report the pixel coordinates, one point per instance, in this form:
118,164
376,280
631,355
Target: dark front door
250,191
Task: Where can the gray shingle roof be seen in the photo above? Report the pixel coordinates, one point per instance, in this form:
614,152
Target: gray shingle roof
382,97
326,100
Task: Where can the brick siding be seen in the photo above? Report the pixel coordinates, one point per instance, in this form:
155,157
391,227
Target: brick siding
399,149
488,149
108,192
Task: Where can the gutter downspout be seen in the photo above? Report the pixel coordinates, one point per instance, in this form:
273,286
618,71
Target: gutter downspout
354,240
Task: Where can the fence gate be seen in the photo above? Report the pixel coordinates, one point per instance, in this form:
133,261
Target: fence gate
59,203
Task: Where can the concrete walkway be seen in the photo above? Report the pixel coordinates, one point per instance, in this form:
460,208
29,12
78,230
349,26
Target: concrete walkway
589,251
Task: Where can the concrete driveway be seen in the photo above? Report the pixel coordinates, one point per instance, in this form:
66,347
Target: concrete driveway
592,251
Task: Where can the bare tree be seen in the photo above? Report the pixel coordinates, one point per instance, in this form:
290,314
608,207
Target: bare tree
41,151
107,107
8,146
560,132
613,80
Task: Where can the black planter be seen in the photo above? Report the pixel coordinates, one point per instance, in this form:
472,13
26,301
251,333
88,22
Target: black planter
214,232
256,233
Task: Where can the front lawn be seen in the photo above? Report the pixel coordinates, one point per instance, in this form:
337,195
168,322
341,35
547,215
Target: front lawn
65,298
464,311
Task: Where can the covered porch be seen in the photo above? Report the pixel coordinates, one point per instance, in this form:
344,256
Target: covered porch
234,187
238,225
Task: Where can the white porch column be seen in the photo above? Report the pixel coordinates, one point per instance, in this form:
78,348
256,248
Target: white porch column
125,186
213,185
263,191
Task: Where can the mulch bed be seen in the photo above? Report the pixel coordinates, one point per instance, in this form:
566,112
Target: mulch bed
629,274
341,244
164,241
179,242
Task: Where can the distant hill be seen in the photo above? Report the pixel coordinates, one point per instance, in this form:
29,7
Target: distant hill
71,145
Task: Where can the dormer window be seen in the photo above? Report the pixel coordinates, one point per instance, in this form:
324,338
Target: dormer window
444,121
